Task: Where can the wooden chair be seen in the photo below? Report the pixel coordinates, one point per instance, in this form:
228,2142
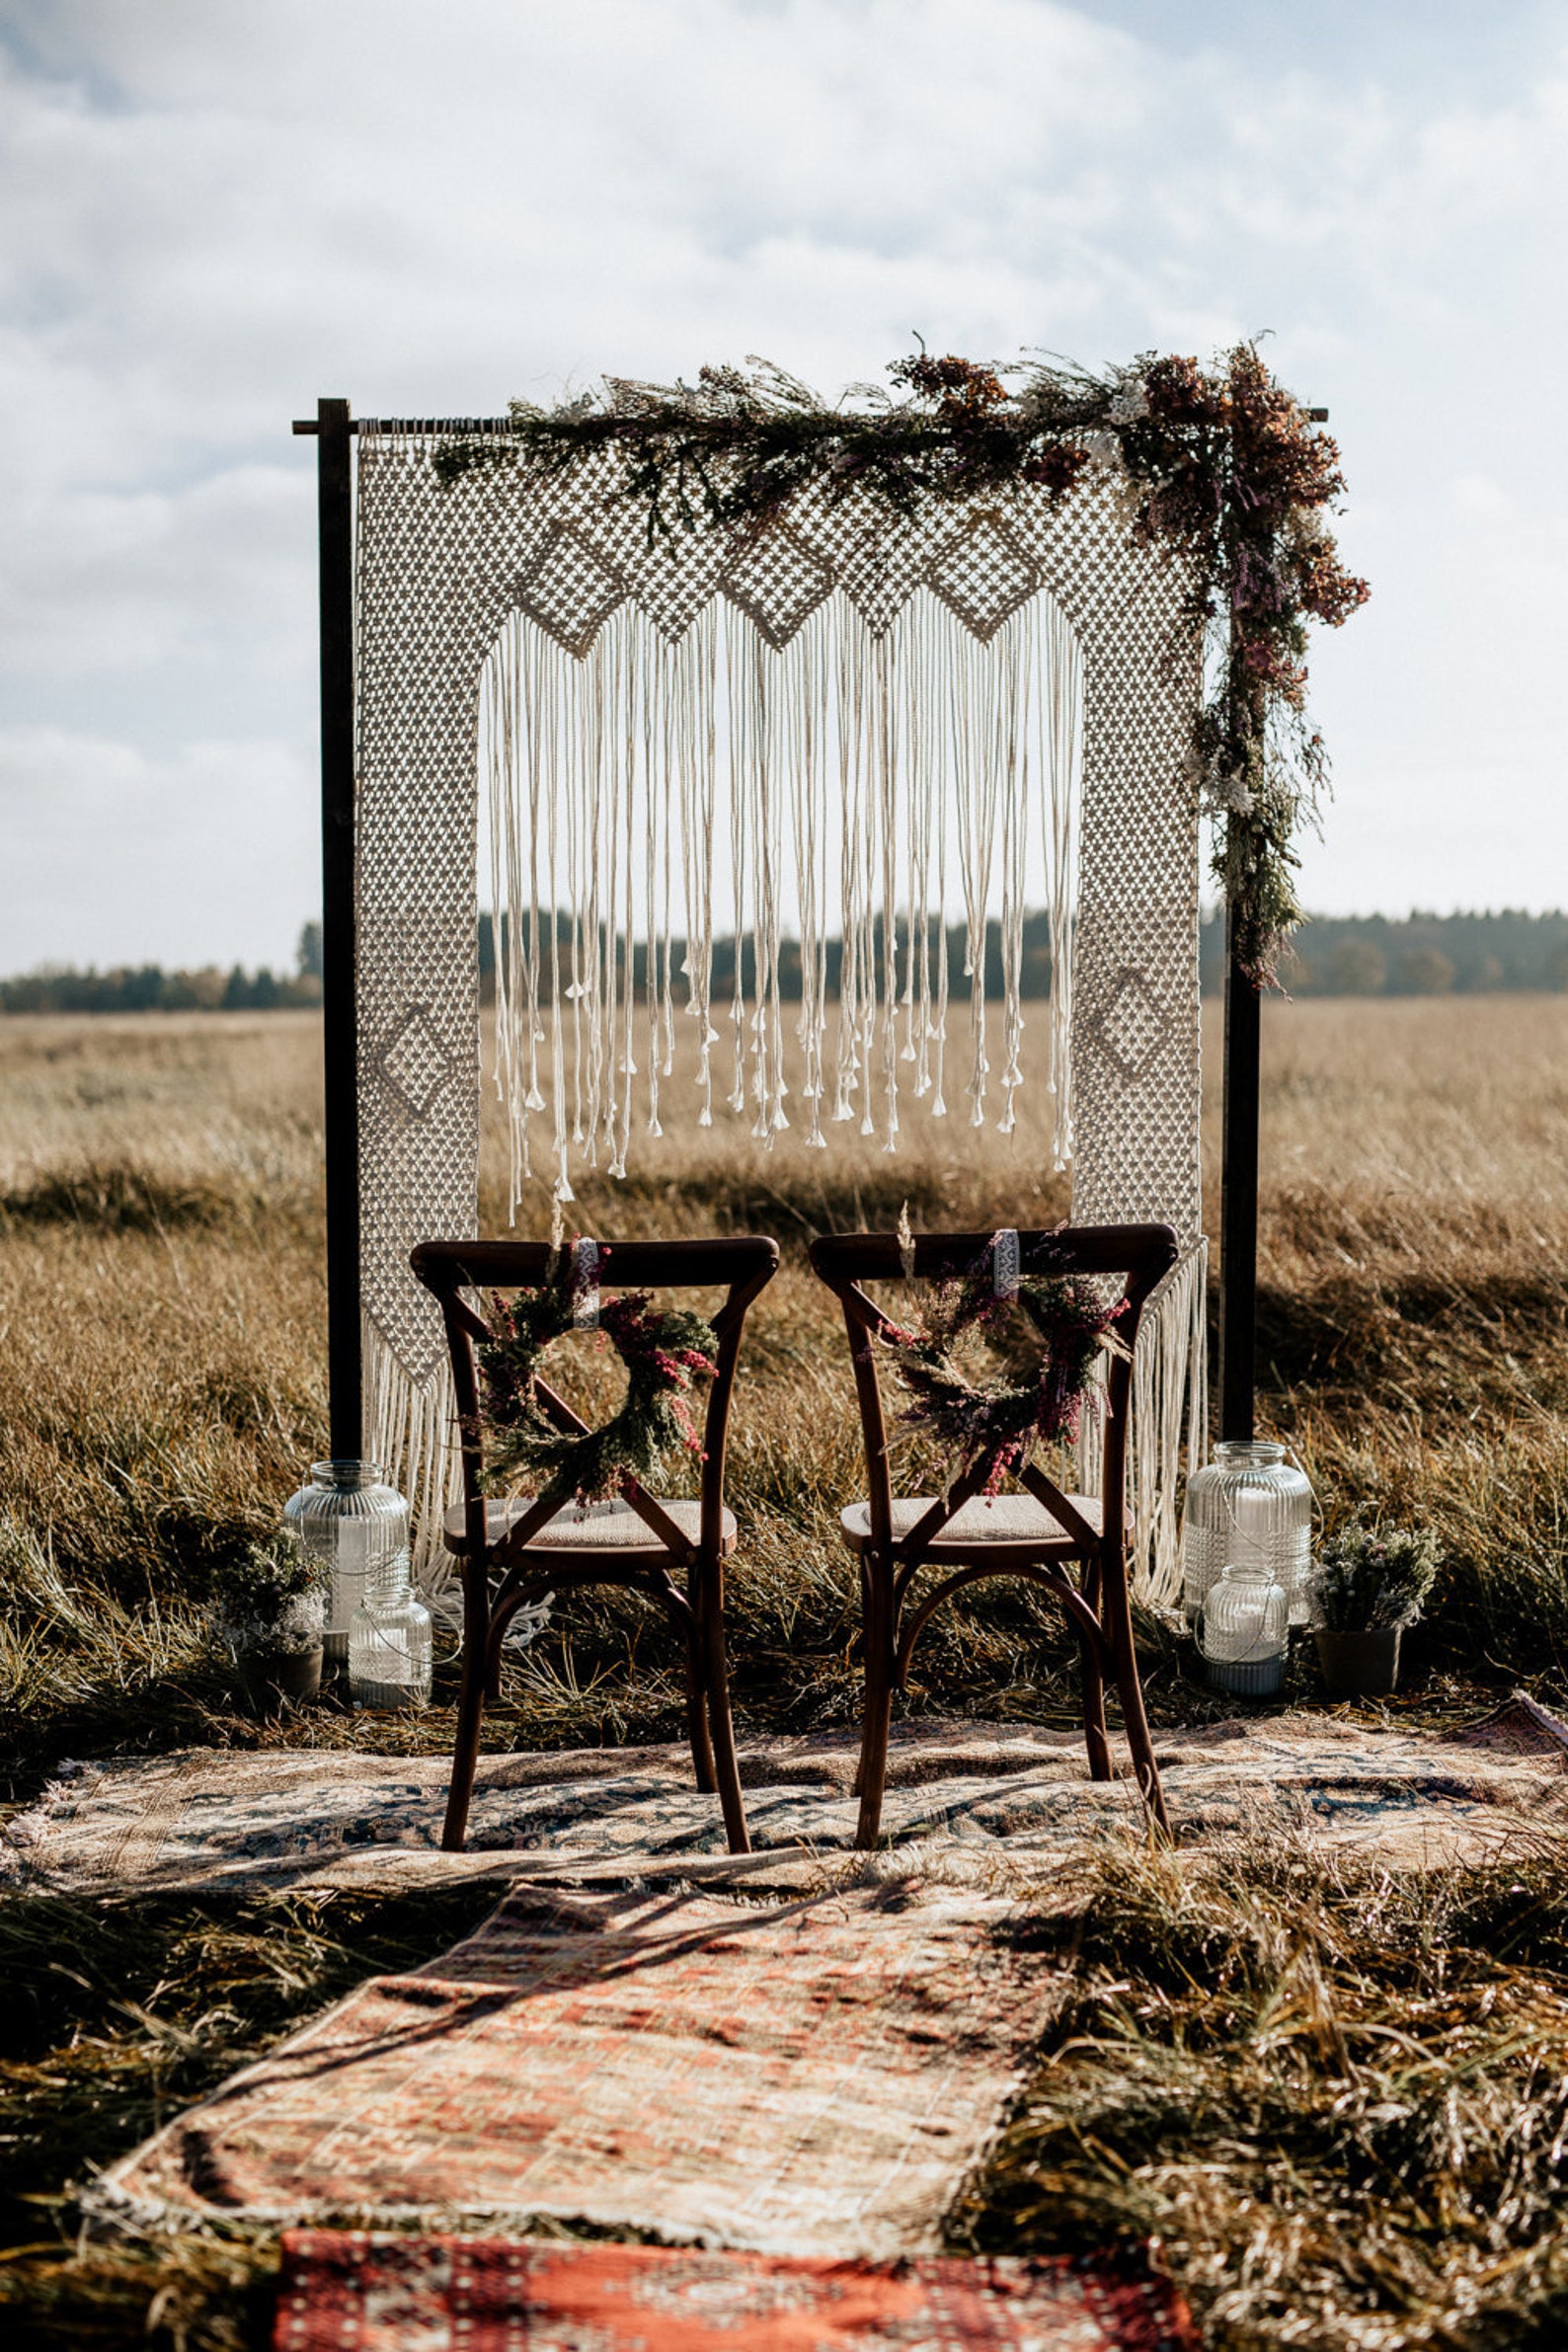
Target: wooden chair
534,1545
1037,1533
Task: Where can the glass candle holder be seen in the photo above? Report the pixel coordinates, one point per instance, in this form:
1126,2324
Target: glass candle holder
1251,1506
389,1641
1246,1626
351,1524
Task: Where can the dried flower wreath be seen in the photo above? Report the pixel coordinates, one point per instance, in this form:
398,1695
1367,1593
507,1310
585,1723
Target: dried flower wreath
997,1426
1228,472
664,1349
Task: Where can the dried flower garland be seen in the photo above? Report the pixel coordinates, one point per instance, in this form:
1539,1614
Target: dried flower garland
1229,471
664,1349
996,1426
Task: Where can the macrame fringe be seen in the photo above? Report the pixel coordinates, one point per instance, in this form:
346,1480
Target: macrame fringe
409,1432
1169,1422
868,785
1170,1405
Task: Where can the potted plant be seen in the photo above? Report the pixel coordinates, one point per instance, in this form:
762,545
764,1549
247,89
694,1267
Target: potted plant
1367,1585
269,1611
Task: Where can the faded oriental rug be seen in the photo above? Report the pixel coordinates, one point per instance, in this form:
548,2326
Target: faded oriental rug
1392,1797
812,2079
356,2292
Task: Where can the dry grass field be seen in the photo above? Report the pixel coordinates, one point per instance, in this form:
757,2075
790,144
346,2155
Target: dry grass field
1340,2106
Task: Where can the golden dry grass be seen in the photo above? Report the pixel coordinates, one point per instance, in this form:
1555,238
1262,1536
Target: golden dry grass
163,1381
1340,2105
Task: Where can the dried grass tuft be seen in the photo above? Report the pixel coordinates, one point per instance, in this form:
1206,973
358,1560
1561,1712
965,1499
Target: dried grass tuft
1339,2104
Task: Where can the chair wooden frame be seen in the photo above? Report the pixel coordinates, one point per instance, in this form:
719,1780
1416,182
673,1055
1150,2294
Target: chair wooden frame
1098,1606
527,1569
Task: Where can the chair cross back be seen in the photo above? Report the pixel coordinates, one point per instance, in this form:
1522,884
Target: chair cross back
1143,1254
742,1265
893,1557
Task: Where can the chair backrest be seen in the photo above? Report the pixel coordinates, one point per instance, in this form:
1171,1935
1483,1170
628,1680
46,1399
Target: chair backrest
1141,1254
742,1264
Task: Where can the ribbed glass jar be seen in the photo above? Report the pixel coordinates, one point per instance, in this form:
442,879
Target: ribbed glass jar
1246,1626
389,1641
1251,1506
351,1524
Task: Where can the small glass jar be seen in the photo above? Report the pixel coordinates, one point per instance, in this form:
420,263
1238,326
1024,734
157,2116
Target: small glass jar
1248,1504
1246,1626
389,1641
351,1524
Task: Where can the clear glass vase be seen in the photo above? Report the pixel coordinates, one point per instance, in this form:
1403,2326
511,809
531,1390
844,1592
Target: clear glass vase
351,1526
1246,1628
1251,1506
389,1642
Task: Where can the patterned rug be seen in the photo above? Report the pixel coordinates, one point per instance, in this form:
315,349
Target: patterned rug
208,1816
356,2292
810,2079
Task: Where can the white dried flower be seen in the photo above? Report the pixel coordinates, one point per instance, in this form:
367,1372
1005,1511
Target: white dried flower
1130,404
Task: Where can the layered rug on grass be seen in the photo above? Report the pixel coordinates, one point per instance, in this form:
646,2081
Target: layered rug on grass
815,2077
210,1817
357,2293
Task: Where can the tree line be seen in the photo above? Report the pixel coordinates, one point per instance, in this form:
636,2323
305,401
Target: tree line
1421,955
150,989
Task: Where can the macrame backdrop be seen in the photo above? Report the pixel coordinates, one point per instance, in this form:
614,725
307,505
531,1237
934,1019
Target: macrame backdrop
850,726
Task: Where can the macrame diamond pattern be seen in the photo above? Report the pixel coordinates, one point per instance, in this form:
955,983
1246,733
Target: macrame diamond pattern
777,583
416,1065
983,577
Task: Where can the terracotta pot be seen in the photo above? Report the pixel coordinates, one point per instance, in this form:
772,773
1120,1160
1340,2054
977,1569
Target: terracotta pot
1359,1664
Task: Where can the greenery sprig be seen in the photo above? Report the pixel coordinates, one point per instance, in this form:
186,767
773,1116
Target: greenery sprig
256,1597
1368,1580
664,1351
996,1426
1228,470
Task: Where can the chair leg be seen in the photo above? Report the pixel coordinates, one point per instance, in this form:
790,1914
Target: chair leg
858,1782
1117,1617
721,1723
1096,1739
465,1746
872,1778
697,1724
1093,1687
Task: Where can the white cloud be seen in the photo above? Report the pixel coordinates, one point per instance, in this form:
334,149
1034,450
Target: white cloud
200,857
218,211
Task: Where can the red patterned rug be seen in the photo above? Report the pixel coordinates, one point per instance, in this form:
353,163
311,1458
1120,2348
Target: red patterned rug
351,2292
812,2079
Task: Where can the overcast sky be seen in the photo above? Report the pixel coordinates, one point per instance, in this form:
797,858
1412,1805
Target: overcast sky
218,210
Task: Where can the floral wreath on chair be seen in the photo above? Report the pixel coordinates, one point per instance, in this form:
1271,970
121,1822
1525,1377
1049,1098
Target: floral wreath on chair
999,1424
664,1349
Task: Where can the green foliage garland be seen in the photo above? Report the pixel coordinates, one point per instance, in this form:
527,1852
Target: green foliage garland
664,1351
997,1426
1230,471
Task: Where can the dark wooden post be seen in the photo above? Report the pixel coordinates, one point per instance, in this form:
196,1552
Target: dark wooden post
340,1012
1238,1195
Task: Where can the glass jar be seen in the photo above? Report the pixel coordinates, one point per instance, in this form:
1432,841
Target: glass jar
1251,1506
389,1641
350,1523
1246,1625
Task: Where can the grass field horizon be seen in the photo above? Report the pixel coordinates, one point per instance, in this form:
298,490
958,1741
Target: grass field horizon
1334,2099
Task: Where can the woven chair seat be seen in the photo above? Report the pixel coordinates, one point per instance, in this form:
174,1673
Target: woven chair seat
1012,1519
594,1528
